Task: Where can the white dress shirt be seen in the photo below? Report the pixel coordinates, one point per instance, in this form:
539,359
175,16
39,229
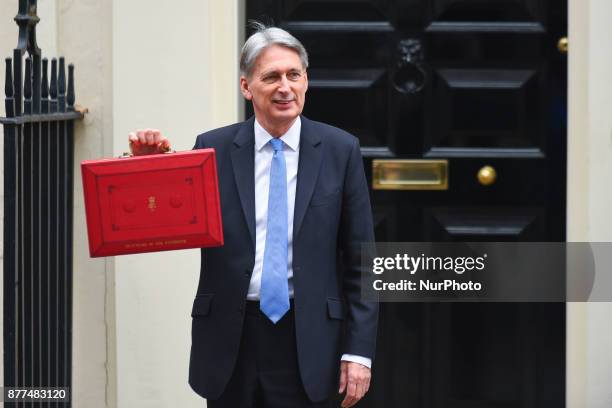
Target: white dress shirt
263,161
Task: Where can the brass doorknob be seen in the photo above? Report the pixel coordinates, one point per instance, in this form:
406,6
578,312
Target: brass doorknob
486,175
563,45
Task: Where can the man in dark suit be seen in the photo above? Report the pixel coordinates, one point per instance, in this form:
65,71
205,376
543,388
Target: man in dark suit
278,307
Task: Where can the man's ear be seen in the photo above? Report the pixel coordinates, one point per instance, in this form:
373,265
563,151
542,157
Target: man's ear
244,88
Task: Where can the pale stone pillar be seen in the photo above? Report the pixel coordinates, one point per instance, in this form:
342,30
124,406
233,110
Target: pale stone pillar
589,197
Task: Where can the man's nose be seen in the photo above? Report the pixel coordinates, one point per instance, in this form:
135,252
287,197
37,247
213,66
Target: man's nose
284,84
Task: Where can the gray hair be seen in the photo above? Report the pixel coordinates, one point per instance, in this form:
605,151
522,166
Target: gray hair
263,38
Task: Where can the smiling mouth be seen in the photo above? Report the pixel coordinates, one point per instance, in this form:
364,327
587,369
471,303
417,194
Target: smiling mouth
282,102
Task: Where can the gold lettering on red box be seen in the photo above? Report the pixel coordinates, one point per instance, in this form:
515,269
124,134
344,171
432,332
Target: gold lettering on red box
152,205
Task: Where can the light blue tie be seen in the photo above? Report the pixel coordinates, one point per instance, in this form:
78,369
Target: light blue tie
274,292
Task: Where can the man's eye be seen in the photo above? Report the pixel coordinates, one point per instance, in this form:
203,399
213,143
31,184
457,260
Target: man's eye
294,76
270,78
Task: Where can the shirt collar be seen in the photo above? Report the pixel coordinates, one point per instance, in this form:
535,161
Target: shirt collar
291,138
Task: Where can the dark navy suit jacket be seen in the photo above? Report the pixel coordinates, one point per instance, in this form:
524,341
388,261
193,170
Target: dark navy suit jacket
332,218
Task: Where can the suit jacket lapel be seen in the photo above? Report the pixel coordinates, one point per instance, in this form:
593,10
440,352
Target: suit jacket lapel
243,162
308,171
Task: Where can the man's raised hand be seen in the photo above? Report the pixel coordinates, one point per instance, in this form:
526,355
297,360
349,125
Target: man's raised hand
148,141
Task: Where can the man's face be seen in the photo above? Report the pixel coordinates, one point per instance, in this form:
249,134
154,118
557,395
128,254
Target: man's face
277,87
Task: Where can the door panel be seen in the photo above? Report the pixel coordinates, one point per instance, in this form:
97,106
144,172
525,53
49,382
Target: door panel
476,224
336,10
504,101
364,94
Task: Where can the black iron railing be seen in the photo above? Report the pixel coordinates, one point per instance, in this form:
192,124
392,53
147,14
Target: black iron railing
38,190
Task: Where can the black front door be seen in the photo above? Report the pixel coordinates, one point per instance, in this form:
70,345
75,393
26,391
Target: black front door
460,109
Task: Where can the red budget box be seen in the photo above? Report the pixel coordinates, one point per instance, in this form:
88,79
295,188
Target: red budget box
152,203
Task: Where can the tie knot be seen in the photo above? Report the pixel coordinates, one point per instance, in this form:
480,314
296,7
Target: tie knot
277,144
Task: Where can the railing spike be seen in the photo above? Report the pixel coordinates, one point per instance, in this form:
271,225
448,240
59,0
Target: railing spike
17,81
70,96
44,89
53,86
36,73
44,103
8,82
61,85
27,87
27,80
9,102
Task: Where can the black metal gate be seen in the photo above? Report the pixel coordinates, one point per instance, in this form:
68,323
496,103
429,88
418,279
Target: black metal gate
38,186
